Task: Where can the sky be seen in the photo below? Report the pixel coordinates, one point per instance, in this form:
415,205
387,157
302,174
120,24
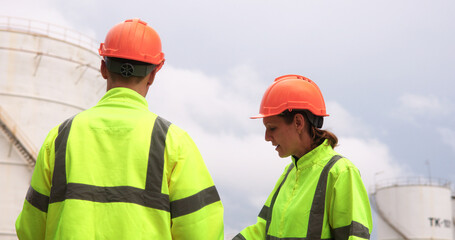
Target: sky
385,69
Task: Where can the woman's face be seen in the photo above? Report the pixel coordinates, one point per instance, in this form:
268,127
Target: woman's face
285,137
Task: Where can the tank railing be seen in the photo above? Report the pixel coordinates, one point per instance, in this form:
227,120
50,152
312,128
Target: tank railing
17,138
413,181
49,30
4,233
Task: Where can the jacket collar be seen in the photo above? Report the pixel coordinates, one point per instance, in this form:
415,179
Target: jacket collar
318,155
124,95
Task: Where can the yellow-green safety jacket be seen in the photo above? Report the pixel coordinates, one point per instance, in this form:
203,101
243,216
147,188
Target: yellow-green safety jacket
320,196
119,171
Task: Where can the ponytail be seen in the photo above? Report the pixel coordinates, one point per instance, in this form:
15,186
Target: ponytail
319,136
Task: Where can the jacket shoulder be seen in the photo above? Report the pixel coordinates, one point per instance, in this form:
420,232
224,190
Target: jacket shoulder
343,165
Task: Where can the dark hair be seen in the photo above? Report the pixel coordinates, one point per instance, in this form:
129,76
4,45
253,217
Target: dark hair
318,135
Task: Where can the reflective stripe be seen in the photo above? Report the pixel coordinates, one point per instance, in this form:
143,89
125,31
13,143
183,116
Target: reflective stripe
151,196
125,194
316,219
277,238
37,199
58,188
156,155
263,213
195,202
239,237
355,229
269,213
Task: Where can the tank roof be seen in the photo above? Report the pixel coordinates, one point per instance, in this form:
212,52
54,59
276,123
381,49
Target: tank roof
45,29
413,181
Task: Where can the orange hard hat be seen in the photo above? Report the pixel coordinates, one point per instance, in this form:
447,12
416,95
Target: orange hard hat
133,40
290,92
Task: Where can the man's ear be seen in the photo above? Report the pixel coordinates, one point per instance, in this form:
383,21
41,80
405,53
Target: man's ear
160,66
103,69
151,78
153,74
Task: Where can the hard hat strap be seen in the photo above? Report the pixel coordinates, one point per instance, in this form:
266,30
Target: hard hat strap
128,69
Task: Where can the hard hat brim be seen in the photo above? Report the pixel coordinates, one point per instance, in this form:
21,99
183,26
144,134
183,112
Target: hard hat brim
262,116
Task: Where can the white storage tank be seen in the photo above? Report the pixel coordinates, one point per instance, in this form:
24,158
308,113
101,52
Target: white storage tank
47,74
453,215
414,208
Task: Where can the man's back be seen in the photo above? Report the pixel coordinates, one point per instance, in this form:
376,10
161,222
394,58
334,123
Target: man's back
118,171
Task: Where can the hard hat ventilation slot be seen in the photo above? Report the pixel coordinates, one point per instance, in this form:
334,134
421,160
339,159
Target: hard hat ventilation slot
127,69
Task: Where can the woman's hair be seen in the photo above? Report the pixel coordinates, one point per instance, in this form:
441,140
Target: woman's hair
318,135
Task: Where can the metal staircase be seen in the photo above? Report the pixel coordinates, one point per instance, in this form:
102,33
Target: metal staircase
17,139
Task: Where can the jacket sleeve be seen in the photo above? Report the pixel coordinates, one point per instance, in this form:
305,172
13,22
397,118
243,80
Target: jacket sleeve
350,212
258,230
196,208
31,222
255,231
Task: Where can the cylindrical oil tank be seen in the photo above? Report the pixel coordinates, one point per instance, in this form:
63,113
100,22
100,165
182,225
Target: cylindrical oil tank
414,208
47,73
453,215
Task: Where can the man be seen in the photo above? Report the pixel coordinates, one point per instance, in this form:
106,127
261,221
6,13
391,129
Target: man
117,170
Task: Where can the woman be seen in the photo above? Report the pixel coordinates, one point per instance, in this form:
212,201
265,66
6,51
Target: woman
320,195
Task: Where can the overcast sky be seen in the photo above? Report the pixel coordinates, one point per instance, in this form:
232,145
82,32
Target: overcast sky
386,70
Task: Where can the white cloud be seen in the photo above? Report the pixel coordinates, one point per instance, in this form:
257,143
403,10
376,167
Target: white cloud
343,123
193,99
215,110
372,158
42,13
413,107
247,164
420,104
358,143
217,118
42,10
448,137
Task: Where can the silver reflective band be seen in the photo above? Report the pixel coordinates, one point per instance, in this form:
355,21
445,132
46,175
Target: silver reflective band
239,237
316,220
195,202
155,164
151,196
355,229
125,194
37,199
277,238
58,188
316,217
264,212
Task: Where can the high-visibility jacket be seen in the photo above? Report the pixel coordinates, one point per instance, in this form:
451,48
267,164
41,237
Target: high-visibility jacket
119,171
320,196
